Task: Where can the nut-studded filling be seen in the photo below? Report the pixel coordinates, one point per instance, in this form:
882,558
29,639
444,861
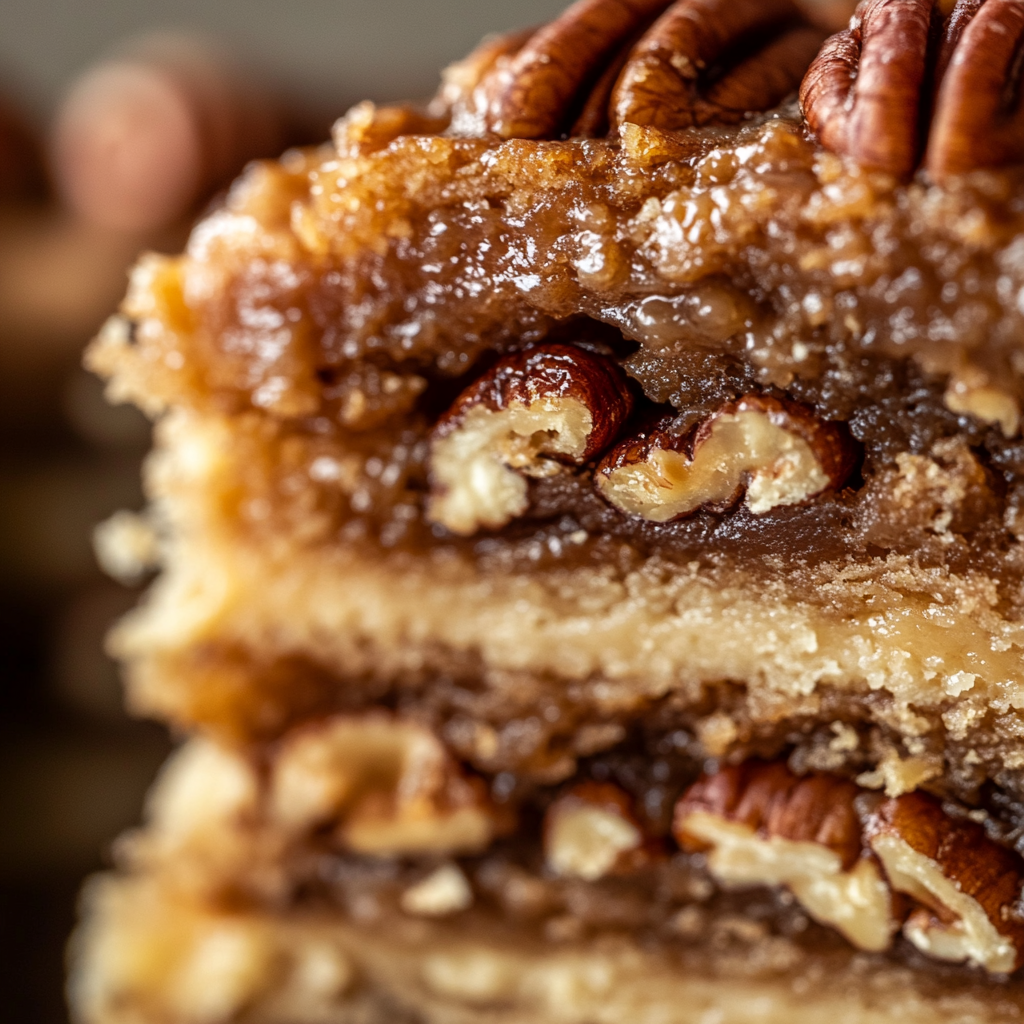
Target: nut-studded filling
845,864
884,873
759,292
341,400
554,406
559,429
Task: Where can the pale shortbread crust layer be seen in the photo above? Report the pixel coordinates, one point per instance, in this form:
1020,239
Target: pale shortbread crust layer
148,955
927,641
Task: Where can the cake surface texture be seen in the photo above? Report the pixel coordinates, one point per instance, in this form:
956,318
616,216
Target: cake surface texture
589,519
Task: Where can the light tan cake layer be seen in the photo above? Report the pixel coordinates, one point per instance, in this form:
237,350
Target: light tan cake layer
927,641
148,955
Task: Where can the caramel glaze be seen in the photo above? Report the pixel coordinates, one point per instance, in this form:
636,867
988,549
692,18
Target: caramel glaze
417,251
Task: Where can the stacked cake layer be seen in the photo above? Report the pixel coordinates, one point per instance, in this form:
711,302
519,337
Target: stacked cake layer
590,559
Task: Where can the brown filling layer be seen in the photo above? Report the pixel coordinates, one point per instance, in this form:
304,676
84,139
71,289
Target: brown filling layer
348,300
534,731
805,864
926,483
674,906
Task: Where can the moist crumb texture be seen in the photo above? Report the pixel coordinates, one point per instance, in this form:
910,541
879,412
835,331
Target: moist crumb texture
599,632
587,538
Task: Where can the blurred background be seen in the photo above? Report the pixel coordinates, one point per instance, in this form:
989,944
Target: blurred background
119,120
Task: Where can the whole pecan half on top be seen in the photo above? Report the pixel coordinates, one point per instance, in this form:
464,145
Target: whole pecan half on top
607,62
708,61
563,57
902,86
863,94
979,109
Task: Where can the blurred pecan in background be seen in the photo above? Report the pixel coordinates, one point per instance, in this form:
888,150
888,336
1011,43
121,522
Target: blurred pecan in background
21,163
146,135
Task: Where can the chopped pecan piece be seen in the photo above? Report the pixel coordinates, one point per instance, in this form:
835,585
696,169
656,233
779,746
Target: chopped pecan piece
762,825
533,413
777,453
971,393
591,831
444,891
969,887
383,786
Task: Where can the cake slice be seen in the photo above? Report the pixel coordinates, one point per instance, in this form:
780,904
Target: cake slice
621,461
547,434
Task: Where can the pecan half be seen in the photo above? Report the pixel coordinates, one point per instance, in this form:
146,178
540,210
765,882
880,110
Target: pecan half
776,453
863,94
699,63
762,825
594,120
551,70
604,63
900,82
533,413
979,109
969,886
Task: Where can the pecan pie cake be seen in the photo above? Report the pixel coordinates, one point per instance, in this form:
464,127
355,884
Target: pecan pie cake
591,518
